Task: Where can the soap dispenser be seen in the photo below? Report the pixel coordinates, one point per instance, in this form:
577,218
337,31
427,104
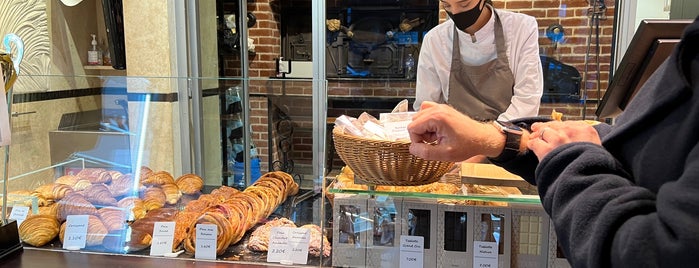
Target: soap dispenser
94,55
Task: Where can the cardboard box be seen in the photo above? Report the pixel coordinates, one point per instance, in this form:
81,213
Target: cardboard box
455,236
493,224
350,230
420,219
530,236
383,241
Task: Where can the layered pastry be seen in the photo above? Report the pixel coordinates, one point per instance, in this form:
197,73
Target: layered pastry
74,204
158,178
190,183
259,239
38,230
172,193
95,175
69,180
153,198
224,233
114,218
99,195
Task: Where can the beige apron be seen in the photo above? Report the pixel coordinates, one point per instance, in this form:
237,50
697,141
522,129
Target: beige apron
481,92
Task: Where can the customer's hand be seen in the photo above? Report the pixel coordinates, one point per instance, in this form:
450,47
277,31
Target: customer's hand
549,135
439,132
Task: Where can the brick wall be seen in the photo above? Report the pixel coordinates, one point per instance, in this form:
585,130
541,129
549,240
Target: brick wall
571,14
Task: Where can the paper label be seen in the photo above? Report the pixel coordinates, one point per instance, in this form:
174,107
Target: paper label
485,254
19,213
163,236
206,241
288,245
396,124
75,235
412,251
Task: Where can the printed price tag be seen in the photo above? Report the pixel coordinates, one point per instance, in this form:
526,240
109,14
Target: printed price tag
412,251
19,213
163,236
485,254
75,235
288,245
206,241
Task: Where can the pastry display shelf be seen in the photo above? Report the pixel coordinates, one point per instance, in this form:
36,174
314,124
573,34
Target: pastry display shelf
521,199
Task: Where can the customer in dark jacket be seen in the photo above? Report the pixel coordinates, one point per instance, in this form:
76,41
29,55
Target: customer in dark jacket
625,195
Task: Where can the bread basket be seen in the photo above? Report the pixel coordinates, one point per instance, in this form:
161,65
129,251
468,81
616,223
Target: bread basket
383,162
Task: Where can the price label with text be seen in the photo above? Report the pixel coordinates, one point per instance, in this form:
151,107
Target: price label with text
412,251
19,213
485,254
75,235
206,241
288,245
163,235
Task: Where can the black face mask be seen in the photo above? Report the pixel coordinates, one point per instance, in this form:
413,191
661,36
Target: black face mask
467,18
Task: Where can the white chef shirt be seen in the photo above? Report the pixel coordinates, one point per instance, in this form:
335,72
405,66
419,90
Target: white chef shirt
521,35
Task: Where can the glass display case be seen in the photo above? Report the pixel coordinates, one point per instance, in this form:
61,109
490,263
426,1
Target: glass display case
92,142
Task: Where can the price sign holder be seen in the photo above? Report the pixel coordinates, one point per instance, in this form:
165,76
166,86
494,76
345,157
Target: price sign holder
412,251
206,241
288,245
19,213
75,236
163,237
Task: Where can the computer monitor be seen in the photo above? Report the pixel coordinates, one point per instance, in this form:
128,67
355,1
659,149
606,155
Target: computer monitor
650,46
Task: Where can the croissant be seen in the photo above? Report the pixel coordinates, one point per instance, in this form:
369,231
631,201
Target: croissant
81,185
99,195
69,180
113,218
122,185
46,190
74,204
38,230
49,210
158,178
95,175
134,205
190,183
145,172
153,198
223,234
172,193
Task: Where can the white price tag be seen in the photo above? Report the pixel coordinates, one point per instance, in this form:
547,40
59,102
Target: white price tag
485,254
412,251
75,235
163,236
288,245
19,213
206,241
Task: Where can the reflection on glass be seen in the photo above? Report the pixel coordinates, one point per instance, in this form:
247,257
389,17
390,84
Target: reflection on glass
419,224
455,224
384,226
491,230
348,218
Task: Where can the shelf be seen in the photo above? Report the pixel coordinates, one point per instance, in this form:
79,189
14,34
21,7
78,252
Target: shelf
100,67
522,199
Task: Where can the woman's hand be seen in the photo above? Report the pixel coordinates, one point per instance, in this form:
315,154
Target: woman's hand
549,135
439,132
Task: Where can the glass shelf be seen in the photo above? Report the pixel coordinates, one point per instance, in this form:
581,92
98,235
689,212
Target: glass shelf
522,199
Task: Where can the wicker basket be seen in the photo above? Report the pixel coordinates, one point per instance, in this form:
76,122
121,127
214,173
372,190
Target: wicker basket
383,162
